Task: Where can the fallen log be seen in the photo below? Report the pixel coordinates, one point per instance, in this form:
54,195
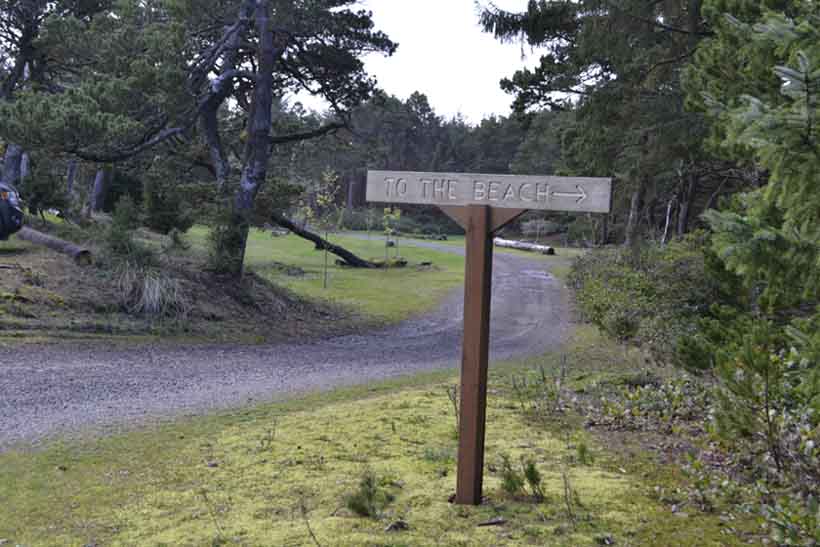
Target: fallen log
321,243
81,255
523,246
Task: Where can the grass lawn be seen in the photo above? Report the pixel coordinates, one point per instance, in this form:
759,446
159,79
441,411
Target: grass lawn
274,474
386,295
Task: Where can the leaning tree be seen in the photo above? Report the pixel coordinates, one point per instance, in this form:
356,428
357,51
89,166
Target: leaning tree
162,72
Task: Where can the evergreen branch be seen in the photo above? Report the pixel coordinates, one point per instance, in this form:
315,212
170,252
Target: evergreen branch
305,135
673,60
658,24
133,150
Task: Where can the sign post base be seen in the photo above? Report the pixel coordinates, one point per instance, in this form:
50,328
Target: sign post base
480,222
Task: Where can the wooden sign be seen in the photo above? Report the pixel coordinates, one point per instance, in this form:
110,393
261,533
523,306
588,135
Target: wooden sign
483,204
581,194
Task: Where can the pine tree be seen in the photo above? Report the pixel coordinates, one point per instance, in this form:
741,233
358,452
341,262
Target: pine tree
772,237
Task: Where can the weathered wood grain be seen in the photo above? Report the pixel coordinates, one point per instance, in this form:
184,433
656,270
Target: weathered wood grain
578,194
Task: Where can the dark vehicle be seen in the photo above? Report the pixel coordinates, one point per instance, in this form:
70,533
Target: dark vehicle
11,215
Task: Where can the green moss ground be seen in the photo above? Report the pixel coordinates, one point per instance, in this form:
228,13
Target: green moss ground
241,478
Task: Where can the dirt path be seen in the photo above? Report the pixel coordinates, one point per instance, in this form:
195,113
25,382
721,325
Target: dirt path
48,391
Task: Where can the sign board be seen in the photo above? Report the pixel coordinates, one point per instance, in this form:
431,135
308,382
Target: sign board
580,194
482,204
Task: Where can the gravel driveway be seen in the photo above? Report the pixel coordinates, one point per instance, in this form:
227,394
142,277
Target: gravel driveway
49,391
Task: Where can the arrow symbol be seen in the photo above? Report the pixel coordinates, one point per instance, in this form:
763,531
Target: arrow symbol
581,195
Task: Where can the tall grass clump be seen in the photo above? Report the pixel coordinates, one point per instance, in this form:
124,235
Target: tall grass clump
144,287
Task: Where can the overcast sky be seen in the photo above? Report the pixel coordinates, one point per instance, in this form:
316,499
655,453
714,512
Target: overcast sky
444,54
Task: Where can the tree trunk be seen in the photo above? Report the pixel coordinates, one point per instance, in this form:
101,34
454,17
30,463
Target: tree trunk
222,167
99,190
686,204
351,191
11,164
668,221
70,175
523,246
604,235
258,149
25,164
81,255
714,196
349,258
221,87
634,214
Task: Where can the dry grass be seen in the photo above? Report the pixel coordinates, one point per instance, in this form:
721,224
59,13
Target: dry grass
147,291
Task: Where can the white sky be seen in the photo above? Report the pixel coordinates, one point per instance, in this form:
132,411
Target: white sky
444,54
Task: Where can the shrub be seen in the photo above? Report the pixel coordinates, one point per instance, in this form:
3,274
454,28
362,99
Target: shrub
370,498
226,237
653,298
44,190
512,481
533,478
120,244
120,184
165,208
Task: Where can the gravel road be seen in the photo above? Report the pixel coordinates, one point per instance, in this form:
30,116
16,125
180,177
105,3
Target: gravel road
48,391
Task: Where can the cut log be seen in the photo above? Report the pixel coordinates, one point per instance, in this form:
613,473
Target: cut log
523,246
321,243
81,255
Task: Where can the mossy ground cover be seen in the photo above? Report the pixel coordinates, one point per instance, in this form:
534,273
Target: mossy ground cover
271,475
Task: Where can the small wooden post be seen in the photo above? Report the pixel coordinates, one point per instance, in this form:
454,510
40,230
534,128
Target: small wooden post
477,292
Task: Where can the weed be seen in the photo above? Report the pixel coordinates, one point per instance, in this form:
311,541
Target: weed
452,394
369,499
439,455
703,488
512,481
534,479
570,497
30,277
304,513
212,511
582,454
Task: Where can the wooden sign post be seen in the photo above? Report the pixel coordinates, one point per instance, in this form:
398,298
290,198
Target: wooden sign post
482,205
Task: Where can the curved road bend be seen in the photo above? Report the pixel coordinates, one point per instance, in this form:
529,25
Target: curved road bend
49,391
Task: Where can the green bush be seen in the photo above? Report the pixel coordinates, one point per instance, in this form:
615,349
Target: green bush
654,298
225,239
120,244
120,184
44,190
165,208
370,498
512,480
